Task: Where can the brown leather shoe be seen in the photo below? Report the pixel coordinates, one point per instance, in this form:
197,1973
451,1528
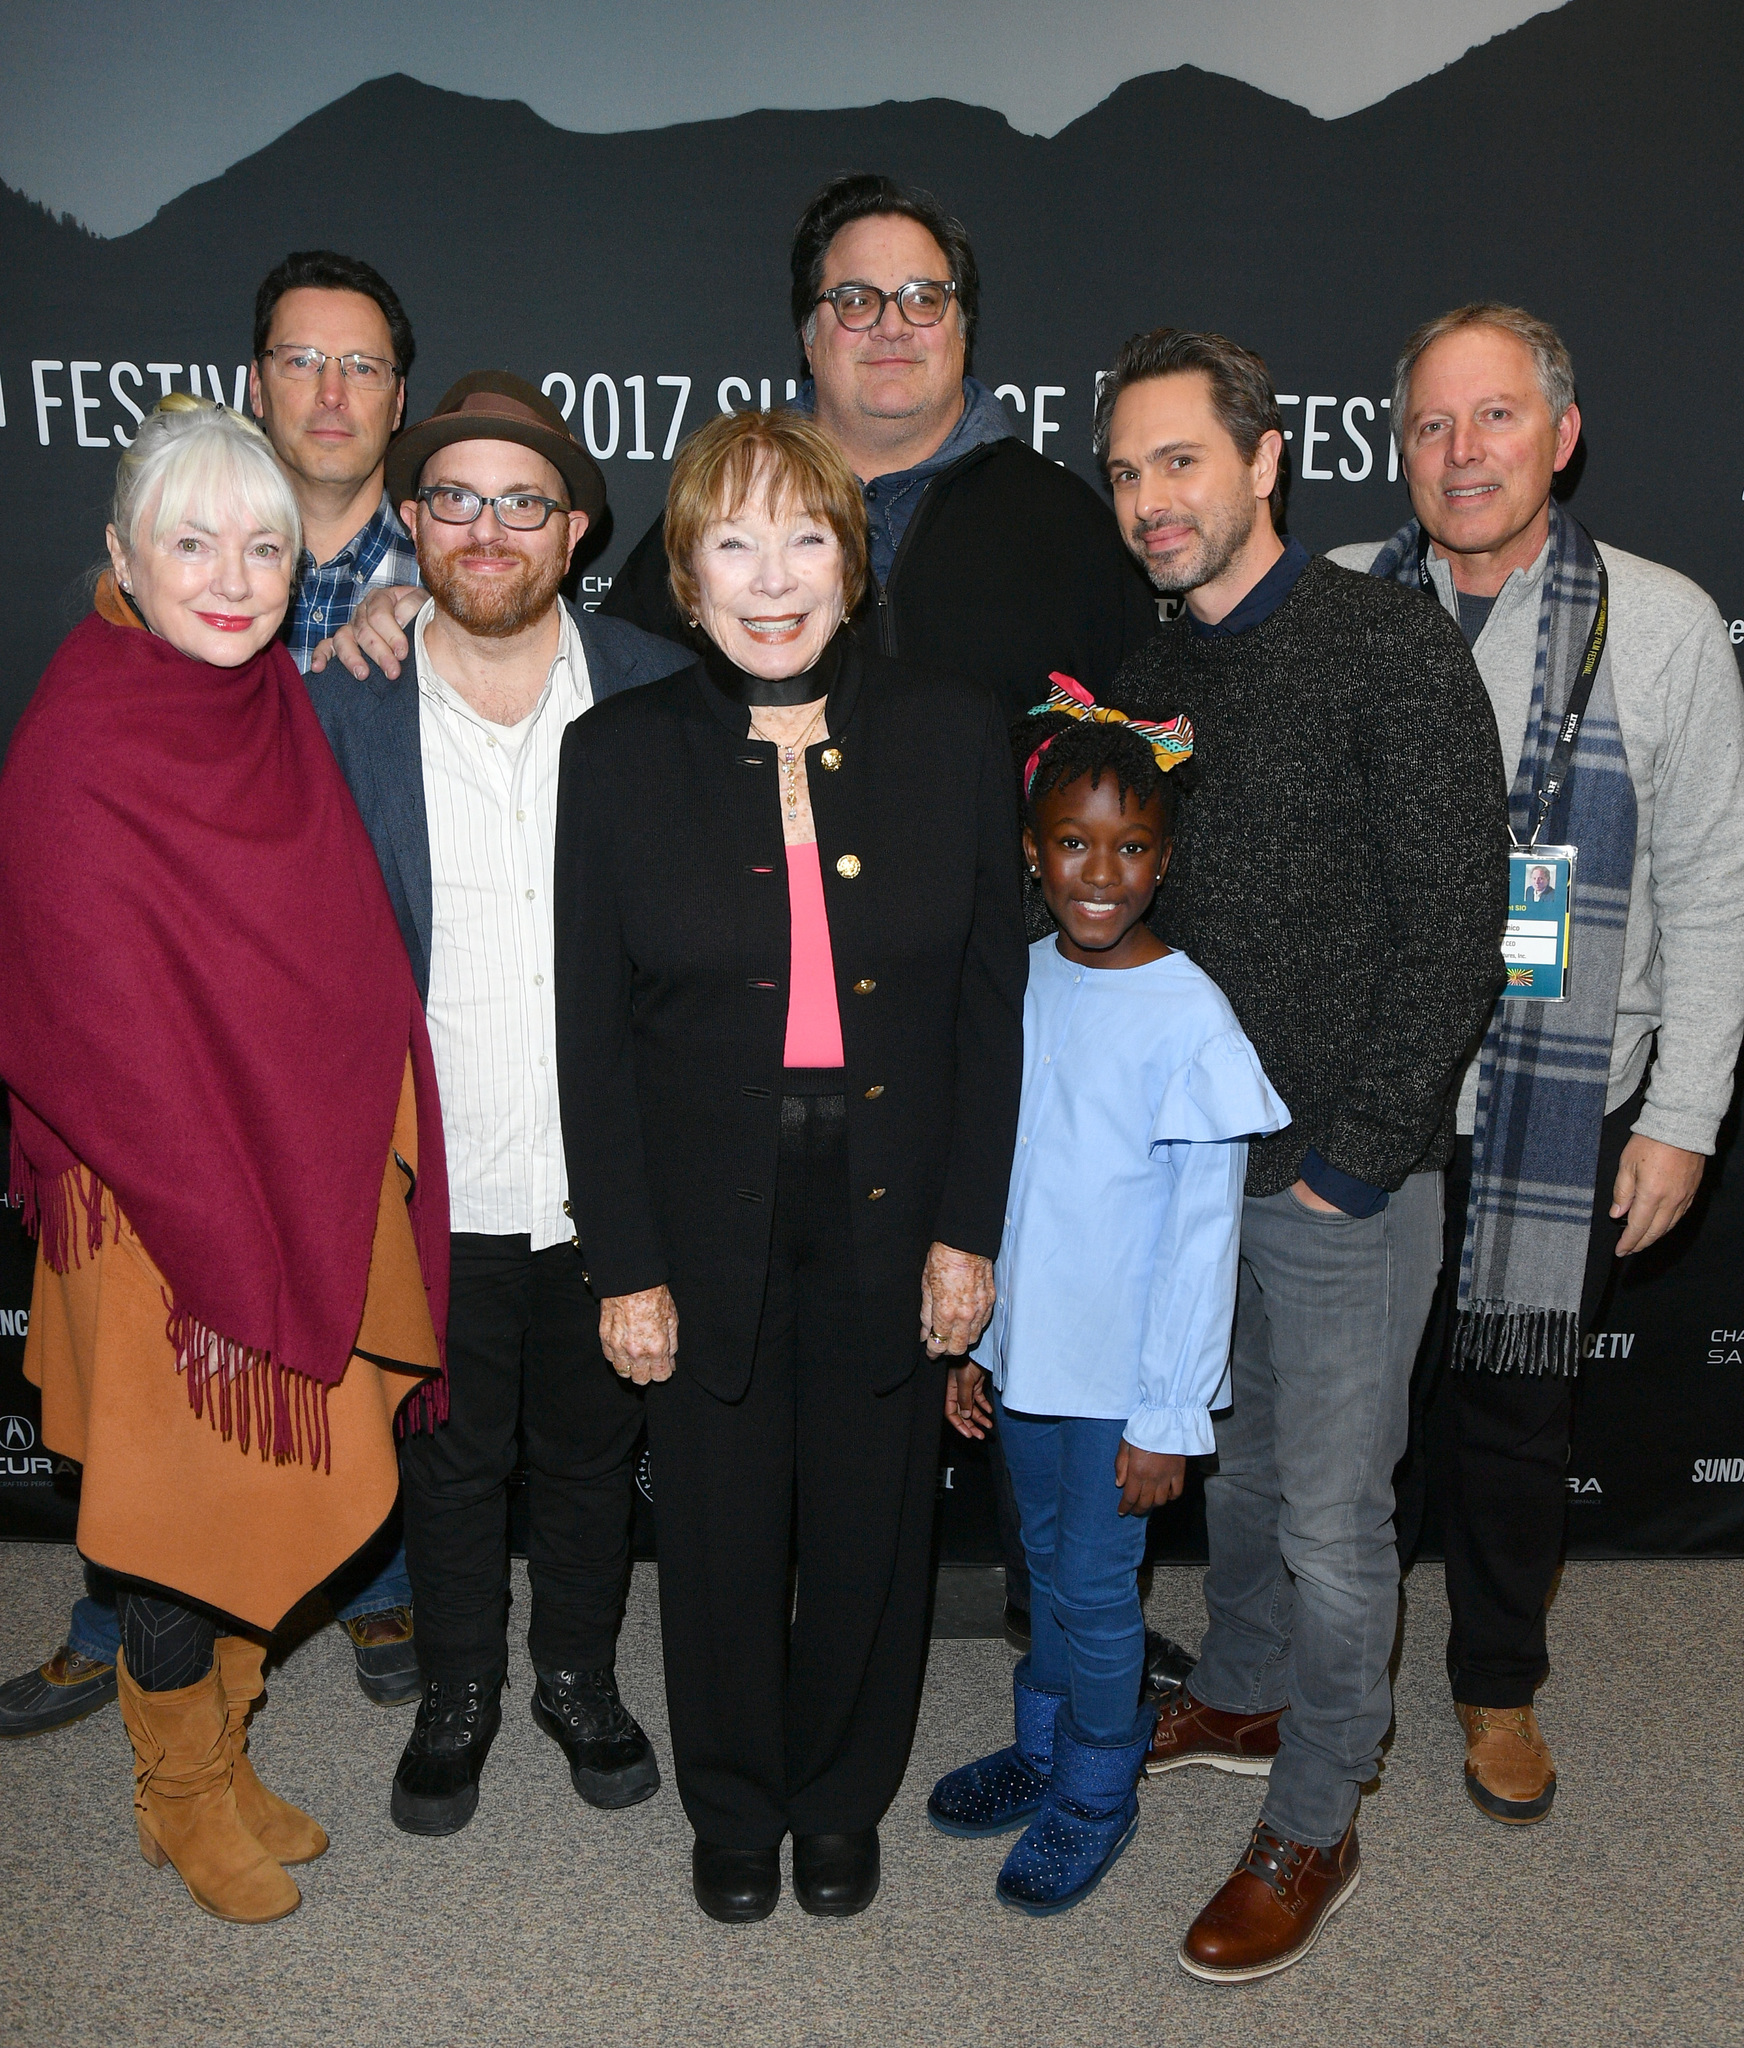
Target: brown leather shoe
1508,1768
1189,1732
1270,1913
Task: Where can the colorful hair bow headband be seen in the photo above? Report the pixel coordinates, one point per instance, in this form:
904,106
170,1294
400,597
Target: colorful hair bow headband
1171,743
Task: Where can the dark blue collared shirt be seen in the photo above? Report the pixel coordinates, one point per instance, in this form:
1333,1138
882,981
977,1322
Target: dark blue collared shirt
1261,601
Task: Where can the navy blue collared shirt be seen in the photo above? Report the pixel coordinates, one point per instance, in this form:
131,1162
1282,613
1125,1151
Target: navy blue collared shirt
1261,601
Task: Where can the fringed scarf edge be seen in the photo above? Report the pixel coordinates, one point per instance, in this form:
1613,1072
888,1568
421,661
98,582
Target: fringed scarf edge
1505,1336
247,1394
251,1395
47,1203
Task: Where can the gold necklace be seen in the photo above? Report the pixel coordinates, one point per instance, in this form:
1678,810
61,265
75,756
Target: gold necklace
791,758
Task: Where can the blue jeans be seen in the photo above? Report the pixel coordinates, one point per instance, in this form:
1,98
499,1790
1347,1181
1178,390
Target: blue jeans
1087,1636
95,1631
1303,1584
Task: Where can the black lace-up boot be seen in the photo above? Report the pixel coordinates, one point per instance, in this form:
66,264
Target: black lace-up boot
611,1762
436,1785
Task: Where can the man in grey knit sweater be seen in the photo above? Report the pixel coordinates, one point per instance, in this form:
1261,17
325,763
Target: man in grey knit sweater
1341,872
1486,417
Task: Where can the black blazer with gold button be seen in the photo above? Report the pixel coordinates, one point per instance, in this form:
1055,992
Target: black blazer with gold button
671,966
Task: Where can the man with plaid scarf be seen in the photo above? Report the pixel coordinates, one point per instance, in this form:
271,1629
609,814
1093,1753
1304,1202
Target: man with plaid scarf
1584,1124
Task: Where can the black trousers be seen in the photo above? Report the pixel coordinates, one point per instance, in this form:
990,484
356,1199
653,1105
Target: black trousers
1490,1449
792,1692
525,1373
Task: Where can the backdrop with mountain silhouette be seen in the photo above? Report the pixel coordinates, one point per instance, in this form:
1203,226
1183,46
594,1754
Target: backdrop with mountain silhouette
1589,165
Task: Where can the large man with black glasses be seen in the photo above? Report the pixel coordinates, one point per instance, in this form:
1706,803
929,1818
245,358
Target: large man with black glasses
988,560
454,766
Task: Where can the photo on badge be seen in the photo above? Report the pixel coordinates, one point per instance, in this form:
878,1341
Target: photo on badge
1535,944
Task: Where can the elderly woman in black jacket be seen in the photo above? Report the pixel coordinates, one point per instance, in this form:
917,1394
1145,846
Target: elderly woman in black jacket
790,969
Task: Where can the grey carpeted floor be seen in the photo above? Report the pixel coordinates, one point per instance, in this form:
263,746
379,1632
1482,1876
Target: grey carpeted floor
1621,1920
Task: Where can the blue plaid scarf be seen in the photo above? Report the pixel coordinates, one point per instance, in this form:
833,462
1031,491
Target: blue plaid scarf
1544,1067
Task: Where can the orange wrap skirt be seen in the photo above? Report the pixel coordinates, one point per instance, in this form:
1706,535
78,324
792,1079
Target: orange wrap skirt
167,1498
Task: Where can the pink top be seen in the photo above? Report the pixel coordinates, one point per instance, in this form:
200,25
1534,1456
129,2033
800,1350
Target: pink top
814,1024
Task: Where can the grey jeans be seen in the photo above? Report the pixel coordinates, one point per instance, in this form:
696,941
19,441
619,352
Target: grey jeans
1302,1587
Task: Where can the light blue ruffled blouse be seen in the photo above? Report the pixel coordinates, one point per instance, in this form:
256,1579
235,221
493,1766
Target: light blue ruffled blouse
1116,1273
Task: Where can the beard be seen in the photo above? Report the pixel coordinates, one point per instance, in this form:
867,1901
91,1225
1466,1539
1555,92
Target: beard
495,607
1221,536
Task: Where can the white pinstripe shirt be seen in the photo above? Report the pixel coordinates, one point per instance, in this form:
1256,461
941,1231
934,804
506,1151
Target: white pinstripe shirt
490,793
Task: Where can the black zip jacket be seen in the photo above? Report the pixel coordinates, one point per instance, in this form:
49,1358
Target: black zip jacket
1011,568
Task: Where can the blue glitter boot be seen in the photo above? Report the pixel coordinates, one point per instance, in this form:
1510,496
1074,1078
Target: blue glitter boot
1087,1818
1002,1791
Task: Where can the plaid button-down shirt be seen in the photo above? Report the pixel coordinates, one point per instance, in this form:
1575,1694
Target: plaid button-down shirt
328,593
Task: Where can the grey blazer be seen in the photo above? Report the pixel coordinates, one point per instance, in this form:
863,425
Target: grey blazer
372,727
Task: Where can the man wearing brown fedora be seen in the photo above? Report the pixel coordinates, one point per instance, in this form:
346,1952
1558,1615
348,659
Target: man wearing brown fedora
454,766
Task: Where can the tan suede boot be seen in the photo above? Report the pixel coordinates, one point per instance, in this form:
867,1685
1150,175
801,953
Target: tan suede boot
185,1806
1508,1768
284,1831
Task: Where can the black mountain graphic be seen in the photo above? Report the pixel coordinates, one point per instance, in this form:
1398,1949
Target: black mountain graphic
1586,164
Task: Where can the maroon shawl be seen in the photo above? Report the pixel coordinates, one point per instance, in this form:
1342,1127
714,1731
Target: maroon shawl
206,1006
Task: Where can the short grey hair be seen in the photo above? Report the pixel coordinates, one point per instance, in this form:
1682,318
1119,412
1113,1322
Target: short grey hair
1550,354
204,463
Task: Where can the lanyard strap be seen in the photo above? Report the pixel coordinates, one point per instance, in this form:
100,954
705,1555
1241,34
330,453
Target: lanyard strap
1578,698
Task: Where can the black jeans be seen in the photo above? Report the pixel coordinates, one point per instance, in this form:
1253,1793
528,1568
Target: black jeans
523,1349
1491,1450
794,1709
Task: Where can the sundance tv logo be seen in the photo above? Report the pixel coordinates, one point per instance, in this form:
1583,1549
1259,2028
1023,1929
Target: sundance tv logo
1718,1472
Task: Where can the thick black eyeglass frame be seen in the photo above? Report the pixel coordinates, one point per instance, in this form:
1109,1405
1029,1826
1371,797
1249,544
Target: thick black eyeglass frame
428,494
947,285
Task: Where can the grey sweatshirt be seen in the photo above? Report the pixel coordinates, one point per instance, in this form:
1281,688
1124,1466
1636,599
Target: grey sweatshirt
1682,716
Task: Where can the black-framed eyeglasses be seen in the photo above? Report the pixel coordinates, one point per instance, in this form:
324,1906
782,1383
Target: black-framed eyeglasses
306,365
922,302
520,511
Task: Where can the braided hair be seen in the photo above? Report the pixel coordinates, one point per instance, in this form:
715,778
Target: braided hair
1074,748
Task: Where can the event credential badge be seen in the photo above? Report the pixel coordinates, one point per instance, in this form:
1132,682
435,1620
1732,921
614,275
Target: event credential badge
1535,946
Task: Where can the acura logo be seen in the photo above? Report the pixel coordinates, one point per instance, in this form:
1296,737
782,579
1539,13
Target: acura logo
17,1433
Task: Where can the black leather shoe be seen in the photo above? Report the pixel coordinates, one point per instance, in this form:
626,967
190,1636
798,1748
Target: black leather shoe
386,1656
735,1885
66,1688
835,1875
1015,1622
611,1762
436,1785
1166,1664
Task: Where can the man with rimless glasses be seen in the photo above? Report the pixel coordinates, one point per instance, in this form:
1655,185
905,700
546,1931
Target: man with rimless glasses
332,351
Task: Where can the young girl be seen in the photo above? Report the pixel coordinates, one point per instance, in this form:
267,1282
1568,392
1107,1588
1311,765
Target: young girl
1116,1279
